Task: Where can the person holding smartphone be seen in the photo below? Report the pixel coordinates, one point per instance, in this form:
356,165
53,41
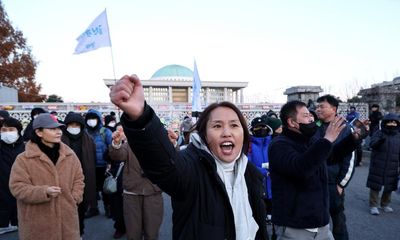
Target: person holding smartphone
352,116
340,164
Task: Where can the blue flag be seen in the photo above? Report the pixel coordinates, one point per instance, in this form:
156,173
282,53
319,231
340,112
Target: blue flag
196,99
95,36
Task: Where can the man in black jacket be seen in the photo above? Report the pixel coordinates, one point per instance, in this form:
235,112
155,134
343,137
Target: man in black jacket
299,175
375,116
341,162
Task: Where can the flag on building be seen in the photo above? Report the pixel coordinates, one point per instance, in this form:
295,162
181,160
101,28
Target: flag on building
95,36
196,98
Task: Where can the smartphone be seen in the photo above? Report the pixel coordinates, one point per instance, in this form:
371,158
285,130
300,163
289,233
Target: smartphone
356,123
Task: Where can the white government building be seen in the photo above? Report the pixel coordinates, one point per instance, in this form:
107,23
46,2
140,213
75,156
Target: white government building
168,91
173,84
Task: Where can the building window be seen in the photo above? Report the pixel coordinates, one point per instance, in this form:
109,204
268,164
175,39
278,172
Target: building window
160,95
230,96
146,93
216,95
202,96
179,95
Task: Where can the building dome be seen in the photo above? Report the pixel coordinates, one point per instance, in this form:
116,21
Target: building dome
173,72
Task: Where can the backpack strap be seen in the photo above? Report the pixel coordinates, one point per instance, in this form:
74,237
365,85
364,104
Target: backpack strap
103,133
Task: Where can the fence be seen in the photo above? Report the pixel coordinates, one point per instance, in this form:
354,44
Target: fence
170,114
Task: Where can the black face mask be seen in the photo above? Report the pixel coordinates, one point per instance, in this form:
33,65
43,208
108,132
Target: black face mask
392,128
263,132
308,130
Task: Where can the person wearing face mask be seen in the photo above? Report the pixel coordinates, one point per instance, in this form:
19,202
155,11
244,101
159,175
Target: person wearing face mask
384,165
341,163
115,199
275,124
110,122
297,164
216,193
11,144
258,155
28,131
102,138
75,136
47,181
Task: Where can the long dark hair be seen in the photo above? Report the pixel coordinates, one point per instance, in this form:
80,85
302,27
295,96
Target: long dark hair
35,138
201,124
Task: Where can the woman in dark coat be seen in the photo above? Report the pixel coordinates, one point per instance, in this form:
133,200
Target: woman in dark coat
384,166
82,144
11,144
216,193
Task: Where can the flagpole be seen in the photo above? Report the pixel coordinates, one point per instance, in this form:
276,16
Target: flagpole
196,91
113,66
112,60
111,49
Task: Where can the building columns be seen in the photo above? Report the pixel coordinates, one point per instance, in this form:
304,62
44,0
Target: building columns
170,97
226,94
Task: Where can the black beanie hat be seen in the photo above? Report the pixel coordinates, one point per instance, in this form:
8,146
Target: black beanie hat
74,117
12,122
4,114
37,111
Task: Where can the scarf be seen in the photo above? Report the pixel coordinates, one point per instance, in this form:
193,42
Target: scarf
232,175
52,152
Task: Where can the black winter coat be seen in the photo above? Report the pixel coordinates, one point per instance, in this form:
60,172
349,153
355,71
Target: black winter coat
299,180
8,154
85,149
384,166
341,160
201,207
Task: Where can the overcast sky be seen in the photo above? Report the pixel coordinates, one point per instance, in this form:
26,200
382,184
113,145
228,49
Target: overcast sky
340,45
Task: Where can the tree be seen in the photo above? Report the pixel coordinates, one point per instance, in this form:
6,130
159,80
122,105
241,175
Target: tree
17,65
54,98
355,99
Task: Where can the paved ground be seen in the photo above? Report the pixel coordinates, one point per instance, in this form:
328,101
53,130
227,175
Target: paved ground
361,225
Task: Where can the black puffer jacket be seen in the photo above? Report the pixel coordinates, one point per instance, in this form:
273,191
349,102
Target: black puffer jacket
201,207
385,157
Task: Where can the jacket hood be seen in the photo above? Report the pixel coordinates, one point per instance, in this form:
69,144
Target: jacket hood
391,117
108,119
94,113
74,117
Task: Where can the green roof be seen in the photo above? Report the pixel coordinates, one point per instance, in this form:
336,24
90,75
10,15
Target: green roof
173,71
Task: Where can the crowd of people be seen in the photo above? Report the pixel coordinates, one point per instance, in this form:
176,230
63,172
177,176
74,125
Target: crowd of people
288,170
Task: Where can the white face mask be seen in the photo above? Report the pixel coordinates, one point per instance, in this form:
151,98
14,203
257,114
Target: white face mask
92,122
74,130
9,137
111,124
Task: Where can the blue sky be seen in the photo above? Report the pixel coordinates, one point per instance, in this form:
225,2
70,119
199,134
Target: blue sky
337,44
